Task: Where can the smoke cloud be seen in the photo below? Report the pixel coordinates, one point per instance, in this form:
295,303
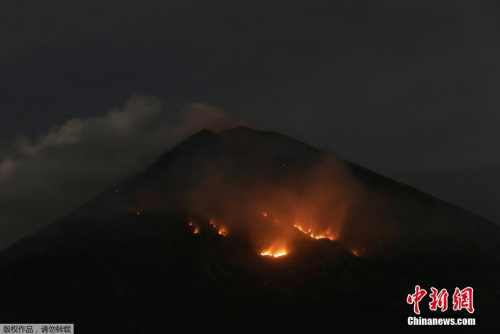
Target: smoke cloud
276,208
42,179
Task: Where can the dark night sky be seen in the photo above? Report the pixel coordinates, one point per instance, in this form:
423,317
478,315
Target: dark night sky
406,88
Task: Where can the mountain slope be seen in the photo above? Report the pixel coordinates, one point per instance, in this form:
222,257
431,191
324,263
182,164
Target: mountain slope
356,244
476,190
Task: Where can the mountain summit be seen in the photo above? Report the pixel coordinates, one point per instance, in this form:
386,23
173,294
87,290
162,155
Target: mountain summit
249,231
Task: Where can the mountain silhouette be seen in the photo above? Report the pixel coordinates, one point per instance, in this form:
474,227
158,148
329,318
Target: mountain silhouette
251,231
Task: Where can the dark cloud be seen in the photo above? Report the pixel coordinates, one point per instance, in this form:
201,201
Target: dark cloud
414,79
396,86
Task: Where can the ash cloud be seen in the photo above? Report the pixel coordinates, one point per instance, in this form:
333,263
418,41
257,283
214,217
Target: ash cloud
42,179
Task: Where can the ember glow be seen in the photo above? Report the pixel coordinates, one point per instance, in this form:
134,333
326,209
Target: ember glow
357,253
195,227
220,229
280,254
326,235
268,211
277,249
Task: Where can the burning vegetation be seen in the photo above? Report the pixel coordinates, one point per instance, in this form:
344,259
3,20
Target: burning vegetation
274,212
194,227
325,235
242,190
220,229
274,254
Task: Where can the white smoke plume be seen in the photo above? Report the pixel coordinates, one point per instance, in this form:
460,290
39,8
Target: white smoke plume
42,179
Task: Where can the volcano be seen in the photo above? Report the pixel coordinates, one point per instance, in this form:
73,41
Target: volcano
250,231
